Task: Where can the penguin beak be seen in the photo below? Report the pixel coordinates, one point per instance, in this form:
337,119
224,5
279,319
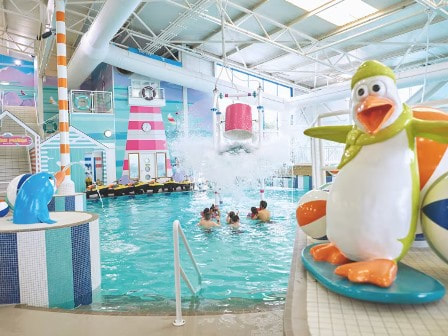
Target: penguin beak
59,176
373,112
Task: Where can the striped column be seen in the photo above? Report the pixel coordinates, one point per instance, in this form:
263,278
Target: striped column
56,268
68,186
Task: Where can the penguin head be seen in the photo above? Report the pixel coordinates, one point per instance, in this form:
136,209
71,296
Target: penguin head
375,103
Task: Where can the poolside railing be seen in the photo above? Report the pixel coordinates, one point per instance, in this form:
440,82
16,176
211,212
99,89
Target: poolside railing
178,272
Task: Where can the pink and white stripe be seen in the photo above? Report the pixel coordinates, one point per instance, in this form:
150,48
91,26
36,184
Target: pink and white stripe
142,142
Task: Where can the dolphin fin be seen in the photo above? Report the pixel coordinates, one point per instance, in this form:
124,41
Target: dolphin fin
332,133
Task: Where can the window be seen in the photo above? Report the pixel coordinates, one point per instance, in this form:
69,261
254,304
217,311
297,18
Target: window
82,101
161,165
252,82
270,120
240,79
284,91
134,169
270,88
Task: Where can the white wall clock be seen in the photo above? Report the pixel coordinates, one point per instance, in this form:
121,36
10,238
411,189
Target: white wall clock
146,127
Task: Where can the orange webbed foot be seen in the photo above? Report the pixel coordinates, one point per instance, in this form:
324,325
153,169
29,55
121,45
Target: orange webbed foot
328,252
380,272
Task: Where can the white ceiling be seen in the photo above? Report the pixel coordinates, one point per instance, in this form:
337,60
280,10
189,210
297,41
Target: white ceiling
268,37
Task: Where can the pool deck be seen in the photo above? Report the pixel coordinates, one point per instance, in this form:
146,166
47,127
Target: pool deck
17,321
311,309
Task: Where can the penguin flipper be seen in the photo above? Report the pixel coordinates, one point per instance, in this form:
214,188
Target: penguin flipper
332,133
45,219
430,129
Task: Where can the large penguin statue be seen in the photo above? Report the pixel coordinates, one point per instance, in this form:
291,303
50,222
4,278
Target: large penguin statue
372,208
31,204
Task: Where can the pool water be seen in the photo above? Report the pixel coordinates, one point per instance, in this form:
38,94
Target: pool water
248,269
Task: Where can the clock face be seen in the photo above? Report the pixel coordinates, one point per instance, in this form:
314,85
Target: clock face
146,127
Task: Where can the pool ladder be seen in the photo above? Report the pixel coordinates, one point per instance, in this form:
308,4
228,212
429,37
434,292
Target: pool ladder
178,272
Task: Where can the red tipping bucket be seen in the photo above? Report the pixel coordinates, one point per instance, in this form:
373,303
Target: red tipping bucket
238,122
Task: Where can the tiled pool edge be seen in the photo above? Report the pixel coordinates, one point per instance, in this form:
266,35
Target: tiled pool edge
295,319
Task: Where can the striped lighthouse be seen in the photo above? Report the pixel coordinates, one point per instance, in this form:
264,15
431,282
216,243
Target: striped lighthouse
147,143
67,187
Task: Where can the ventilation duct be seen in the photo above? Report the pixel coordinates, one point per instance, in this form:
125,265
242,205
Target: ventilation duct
94,45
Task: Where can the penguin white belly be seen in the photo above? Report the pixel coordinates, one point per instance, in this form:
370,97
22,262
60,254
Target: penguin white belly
369,207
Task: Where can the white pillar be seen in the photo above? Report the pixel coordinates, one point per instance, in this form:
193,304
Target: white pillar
185,109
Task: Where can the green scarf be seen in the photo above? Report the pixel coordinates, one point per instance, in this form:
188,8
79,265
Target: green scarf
357,138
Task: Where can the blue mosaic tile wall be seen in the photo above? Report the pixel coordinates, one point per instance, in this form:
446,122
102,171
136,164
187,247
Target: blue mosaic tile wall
53,268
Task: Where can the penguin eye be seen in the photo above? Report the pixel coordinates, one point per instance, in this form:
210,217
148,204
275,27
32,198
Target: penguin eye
362,91
378,87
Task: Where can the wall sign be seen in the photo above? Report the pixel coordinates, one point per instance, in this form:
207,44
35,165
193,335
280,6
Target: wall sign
8,139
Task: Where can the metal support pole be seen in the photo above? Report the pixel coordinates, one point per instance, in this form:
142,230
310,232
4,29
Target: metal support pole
218,130
260,109
185,110
214,109
262,189
178,321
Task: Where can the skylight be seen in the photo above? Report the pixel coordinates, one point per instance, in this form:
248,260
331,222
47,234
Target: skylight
307,4
340,14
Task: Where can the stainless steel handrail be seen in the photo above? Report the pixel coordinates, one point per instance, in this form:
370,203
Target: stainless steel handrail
178,271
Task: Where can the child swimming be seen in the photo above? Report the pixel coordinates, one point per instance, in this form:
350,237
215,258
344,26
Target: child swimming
206,222
253,213
235,222
230,215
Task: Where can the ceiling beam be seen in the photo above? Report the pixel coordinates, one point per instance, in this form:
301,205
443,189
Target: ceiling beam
344,29
435,6
279,30
178,25
215,58
240,19
404,30
264,39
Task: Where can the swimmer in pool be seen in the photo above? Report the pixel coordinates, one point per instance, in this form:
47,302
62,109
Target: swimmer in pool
263,214
253,213
206,222
230,215
235,222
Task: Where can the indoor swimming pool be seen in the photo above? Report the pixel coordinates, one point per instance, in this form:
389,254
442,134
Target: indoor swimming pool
245,270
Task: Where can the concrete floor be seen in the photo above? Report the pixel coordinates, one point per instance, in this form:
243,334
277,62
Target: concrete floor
16,321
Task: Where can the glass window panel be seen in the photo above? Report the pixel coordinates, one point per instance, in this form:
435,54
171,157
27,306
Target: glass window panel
284,92
270,88
270,120
161,164
133,166
240,79
255,82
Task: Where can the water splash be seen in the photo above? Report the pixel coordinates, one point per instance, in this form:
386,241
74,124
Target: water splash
237,169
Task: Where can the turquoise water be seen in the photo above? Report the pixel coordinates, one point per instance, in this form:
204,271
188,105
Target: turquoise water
249,269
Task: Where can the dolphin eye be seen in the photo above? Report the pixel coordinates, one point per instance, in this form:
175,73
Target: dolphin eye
378,87
362,91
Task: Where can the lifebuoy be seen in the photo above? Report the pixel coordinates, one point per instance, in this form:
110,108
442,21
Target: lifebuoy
50,126
83,107
148,92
